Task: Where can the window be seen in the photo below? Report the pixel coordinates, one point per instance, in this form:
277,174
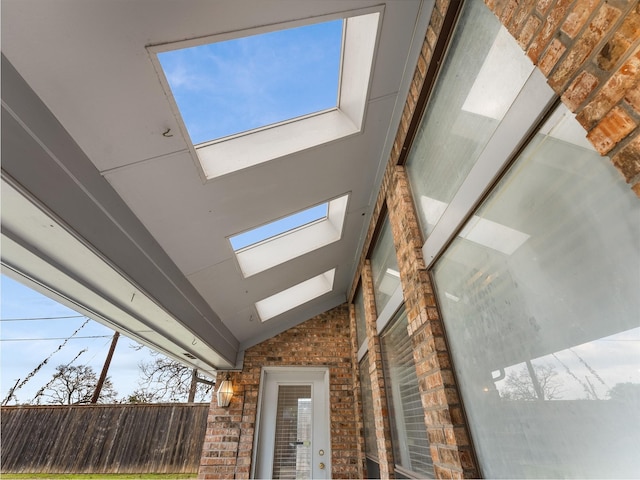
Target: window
406,415
285,239
298,131
234,86
465,110
279,227
294,296
384,267
545,335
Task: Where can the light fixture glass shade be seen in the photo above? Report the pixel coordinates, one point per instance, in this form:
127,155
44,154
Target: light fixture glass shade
225,392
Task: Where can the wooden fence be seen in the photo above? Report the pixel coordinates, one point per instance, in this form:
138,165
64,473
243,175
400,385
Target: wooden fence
130,438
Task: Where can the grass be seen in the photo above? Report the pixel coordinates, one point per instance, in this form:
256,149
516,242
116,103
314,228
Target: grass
97,476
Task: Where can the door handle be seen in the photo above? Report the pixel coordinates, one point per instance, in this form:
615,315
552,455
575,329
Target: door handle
300,443
321,466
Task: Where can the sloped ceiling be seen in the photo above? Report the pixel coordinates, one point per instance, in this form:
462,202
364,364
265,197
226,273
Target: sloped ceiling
88,63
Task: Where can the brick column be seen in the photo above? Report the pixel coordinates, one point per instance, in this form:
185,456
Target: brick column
222,437
323,340
448,436
380,409
357,394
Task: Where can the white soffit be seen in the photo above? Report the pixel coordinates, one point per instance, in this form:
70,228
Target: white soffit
274,251
88,283
294,296
230,154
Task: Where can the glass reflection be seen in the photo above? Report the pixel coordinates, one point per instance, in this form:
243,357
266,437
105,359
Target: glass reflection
384,267
590,371
465,109
539,295
361,327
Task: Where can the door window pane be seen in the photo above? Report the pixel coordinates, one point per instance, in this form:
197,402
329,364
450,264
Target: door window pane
384,267
472,95
406,415
292,444
540,298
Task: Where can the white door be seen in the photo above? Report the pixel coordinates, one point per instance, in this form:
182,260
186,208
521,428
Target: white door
293,424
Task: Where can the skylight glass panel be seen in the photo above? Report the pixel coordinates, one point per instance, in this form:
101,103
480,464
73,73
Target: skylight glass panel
238,85
312,229
283,225
295,296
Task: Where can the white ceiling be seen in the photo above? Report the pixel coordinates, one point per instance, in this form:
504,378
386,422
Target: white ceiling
88,63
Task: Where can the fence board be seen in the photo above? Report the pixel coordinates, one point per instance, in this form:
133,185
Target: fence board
130,438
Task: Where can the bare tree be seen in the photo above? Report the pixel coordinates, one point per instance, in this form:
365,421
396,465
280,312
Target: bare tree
74,385
166,380
625,392
520,385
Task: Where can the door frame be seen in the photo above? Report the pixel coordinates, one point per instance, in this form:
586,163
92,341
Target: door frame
264,373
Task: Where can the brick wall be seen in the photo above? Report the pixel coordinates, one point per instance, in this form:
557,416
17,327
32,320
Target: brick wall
589,50
380,409
357,397
448,436
324,340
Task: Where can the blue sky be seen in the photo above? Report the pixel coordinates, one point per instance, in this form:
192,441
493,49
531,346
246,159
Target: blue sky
279,226
237,85
19,358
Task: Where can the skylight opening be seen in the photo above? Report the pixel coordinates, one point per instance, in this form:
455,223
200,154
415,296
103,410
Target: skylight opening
295,296
334,73
312,229
229,87
279,227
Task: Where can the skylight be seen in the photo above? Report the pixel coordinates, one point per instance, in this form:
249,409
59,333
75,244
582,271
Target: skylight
247,97
283,225
233,86
290,237
295,296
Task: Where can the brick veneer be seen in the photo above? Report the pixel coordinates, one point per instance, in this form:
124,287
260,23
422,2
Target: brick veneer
324,340
357,397
589,50
448,436
376,372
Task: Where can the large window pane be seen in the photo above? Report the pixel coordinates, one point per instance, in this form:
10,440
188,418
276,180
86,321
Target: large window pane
361,330
406,415
473,93
384,267
540,298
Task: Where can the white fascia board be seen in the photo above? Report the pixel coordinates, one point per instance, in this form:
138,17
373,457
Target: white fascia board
295,296
274,251
42,252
